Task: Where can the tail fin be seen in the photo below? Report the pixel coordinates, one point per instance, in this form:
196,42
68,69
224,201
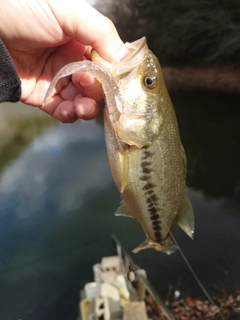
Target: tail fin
168,246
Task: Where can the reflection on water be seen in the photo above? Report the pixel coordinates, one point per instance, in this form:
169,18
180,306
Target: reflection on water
46,195
23,133
57,205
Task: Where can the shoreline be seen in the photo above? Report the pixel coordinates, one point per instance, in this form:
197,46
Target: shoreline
221,78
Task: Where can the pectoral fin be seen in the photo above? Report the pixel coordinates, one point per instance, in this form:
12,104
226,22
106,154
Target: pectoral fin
123,154
122,211
185,217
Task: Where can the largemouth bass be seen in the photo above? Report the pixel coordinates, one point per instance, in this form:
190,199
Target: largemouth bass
145,153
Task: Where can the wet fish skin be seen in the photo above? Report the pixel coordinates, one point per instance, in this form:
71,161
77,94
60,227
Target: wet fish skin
146,157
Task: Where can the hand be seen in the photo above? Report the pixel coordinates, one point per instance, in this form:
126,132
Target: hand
44,35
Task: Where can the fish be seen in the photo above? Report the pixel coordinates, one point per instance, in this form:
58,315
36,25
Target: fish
145,153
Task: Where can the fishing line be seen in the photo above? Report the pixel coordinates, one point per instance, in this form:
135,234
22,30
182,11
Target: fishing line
125,232
193,272
189,266
130,274
196,277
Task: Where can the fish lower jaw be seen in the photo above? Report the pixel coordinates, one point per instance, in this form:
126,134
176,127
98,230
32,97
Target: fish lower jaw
168,247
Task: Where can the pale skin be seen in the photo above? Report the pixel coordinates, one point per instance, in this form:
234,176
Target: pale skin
44,35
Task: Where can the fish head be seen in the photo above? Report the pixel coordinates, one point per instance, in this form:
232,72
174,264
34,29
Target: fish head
142,90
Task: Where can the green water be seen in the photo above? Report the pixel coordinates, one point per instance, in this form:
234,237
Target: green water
58,200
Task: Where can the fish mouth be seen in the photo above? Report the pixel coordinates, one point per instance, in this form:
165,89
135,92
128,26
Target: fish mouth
137,52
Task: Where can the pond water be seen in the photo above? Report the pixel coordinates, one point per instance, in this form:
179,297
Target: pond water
58,202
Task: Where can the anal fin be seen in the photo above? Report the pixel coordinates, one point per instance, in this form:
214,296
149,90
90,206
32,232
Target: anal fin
185,217
122,211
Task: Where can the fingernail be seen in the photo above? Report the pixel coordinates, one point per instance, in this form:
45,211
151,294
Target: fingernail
86,80
81,110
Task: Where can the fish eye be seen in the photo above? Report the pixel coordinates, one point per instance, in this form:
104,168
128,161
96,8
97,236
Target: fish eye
150,82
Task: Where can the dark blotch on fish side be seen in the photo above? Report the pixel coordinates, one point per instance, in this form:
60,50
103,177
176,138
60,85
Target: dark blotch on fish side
144,178
148,186
149,192
157,234
154,198
152,201
157,228
150,205
155,217
147,154
149,200
146,170
153,210
146,164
